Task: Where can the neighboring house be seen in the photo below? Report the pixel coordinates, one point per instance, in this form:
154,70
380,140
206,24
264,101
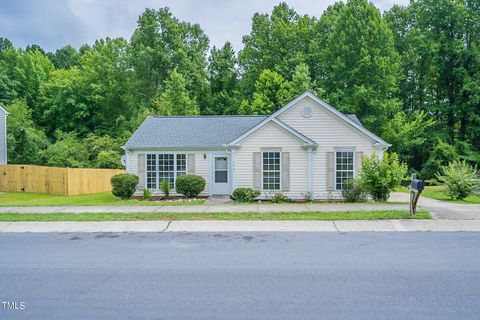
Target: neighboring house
3,135
305,148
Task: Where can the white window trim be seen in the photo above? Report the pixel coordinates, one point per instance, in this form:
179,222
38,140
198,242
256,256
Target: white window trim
157,177
261,163
335,165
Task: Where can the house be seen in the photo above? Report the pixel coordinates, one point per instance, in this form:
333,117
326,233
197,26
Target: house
305,148
3,135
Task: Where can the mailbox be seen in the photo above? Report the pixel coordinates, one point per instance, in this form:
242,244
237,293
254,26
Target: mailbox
417,185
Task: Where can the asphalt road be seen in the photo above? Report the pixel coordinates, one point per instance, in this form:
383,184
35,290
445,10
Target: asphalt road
241,276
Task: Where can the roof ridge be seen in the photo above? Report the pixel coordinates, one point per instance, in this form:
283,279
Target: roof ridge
212,116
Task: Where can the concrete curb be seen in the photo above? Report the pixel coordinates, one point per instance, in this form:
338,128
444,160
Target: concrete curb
245,226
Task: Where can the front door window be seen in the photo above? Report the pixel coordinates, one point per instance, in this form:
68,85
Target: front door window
221,170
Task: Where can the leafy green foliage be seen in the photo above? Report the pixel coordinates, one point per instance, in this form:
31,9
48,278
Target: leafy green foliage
189,185
279,197
352,192
378,177
244,194
357,62
223,78
68,151
175,99
24,139
442,154
460,179
407,135
147,194
124,185
165,187
271,93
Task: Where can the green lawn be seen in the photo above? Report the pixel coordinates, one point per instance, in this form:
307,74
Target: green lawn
314,215
436,192
23,199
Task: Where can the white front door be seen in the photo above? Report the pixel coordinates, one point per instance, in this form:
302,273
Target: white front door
220,175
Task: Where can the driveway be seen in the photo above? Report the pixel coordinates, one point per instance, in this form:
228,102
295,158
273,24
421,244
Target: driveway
442,209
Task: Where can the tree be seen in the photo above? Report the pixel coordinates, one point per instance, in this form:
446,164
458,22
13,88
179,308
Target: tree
271,93
27,71
106,78
64,102
438,42
278,42
175,99
223,80
160,44
65,57
24,139
301,81
358,66
407,135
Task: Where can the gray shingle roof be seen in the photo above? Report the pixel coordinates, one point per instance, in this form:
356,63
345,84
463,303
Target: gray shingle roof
199,131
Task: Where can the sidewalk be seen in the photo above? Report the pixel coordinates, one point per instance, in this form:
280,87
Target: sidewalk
244,226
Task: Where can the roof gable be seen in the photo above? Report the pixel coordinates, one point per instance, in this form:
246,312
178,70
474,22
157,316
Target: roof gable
350,120
307,141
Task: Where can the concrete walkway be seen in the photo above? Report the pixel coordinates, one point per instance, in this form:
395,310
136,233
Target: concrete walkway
244,226
443,209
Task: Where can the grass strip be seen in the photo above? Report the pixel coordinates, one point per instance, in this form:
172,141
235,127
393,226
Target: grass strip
150,216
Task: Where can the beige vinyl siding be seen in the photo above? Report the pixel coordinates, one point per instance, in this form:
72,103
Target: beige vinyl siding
268,137
201,167
330,133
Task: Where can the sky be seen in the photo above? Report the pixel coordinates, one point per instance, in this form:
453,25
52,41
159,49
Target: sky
53,24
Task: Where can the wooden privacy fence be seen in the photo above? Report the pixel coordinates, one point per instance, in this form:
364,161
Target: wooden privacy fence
52,180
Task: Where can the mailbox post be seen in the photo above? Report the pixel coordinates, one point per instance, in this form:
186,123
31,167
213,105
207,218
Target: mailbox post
416,187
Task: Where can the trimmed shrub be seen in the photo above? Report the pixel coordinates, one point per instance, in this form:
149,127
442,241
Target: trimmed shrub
352,192
165,186
461,180
147,194
124,185
189,185
379,177
244,194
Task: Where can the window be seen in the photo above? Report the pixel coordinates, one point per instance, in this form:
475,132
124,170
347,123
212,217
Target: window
151,171
164,166
271,170
221,170
181,164
343,168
